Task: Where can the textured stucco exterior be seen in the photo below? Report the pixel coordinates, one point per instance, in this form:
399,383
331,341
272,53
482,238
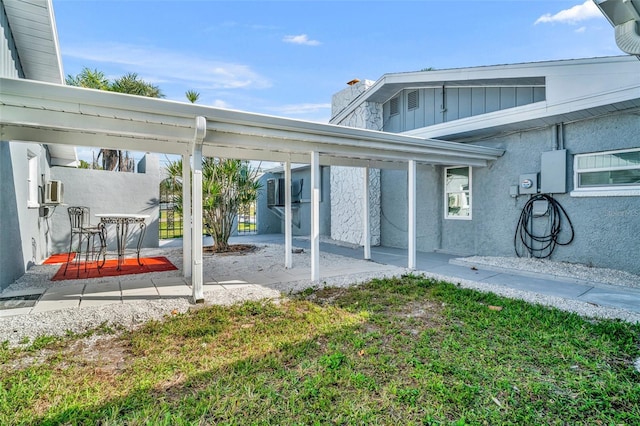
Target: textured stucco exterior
604,235
347,204
347,183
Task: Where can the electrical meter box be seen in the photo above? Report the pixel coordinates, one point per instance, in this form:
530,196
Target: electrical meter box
553,172
528,183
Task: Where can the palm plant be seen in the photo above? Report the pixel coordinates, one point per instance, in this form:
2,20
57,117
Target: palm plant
129,83
90,79
192,96
227,186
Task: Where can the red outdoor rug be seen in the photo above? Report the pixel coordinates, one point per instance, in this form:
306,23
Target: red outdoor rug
59,258
129,266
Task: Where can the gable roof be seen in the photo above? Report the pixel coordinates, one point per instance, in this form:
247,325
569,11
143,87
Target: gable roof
575,89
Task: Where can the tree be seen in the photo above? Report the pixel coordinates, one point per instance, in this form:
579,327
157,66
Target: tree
192,96
84,165
227,185
129,83
90,79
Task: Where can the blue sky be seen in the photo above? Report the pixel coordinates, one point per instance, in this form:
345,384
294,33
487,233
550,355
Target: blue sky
287,58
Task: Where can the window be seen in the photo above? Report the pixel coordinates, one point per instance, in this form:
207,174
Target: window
394,106
607,173
457,193
32,181
412,100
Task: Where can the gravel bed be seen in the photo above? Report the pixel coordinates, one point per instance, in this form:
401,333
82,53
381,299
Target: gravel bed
268,258
557,269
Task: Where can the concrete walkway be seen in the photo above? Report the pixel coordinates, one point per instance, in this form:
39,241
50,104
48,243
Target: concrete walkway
594,293
83,295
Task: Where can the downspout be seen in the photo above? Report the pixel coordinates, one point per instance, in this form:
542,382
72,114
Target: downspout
196,276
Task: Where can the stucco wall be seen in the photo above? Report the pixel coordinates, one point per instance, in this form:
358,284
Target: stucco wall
347,204
394,205
107,192
604,226
347,200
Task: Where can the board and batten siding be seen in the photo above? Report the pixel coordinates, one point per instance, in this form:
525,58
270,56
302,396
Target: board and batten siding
439,105
9,62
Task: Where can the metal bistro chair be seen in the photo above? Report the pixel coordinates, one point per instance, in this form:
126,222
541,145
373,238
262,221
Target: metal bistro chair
82,230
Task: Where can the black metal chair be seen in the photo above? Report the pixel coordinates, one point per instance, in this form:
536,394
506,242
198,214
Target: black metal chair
83,231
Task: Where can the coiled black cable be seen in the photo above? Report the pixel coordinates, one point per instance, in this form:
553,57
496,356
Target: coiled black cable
542,246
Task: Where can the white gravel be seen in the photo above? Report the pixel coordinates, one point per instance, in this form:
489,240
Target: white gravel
269,258
557,269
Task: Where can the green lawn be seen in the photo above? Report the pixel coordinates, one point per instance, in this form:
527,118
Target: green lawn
390,352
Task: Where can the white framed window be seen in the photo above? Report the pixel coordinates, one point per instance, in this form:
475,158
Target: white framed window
607,173
32,181
457,193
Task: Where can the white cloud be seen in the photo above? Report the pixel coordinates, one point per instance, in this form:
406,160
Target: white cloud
219,103
300,39
573,15
158,65
581,30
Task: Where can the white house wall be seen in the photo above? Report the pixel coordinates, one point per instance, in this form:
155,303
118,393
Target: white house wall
347,182
24,235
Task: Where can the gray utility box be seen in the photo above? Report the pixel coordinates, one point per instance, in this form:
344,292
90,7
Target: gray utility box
553,172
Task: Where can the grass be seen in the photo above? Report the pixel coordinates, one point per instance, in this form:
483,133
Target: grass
395,351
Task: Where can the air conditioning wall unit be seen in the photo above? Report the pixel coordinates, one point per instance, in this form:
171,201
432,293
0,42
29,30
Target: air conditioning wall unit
275,191
54,192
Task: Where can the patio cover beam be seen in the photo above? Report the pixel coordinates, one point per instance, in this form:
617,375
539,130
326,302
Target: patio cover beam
366,231
315,216
196,278
411,187
288,245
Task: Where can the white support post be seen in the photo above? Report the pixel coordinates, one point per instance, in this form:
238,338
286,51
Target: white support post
186,214
315,216
288,256
196,277
411,184
366,231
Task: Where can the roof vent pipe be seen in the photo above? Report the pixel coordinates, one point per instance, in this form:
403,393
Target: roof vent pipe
628,38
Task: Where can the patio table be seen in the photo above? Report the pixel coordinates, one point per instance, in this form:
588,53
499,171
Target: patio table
124,231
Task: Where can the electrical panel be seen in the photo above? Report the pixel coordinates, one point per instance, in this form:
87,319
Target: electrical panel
528,183
553,172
